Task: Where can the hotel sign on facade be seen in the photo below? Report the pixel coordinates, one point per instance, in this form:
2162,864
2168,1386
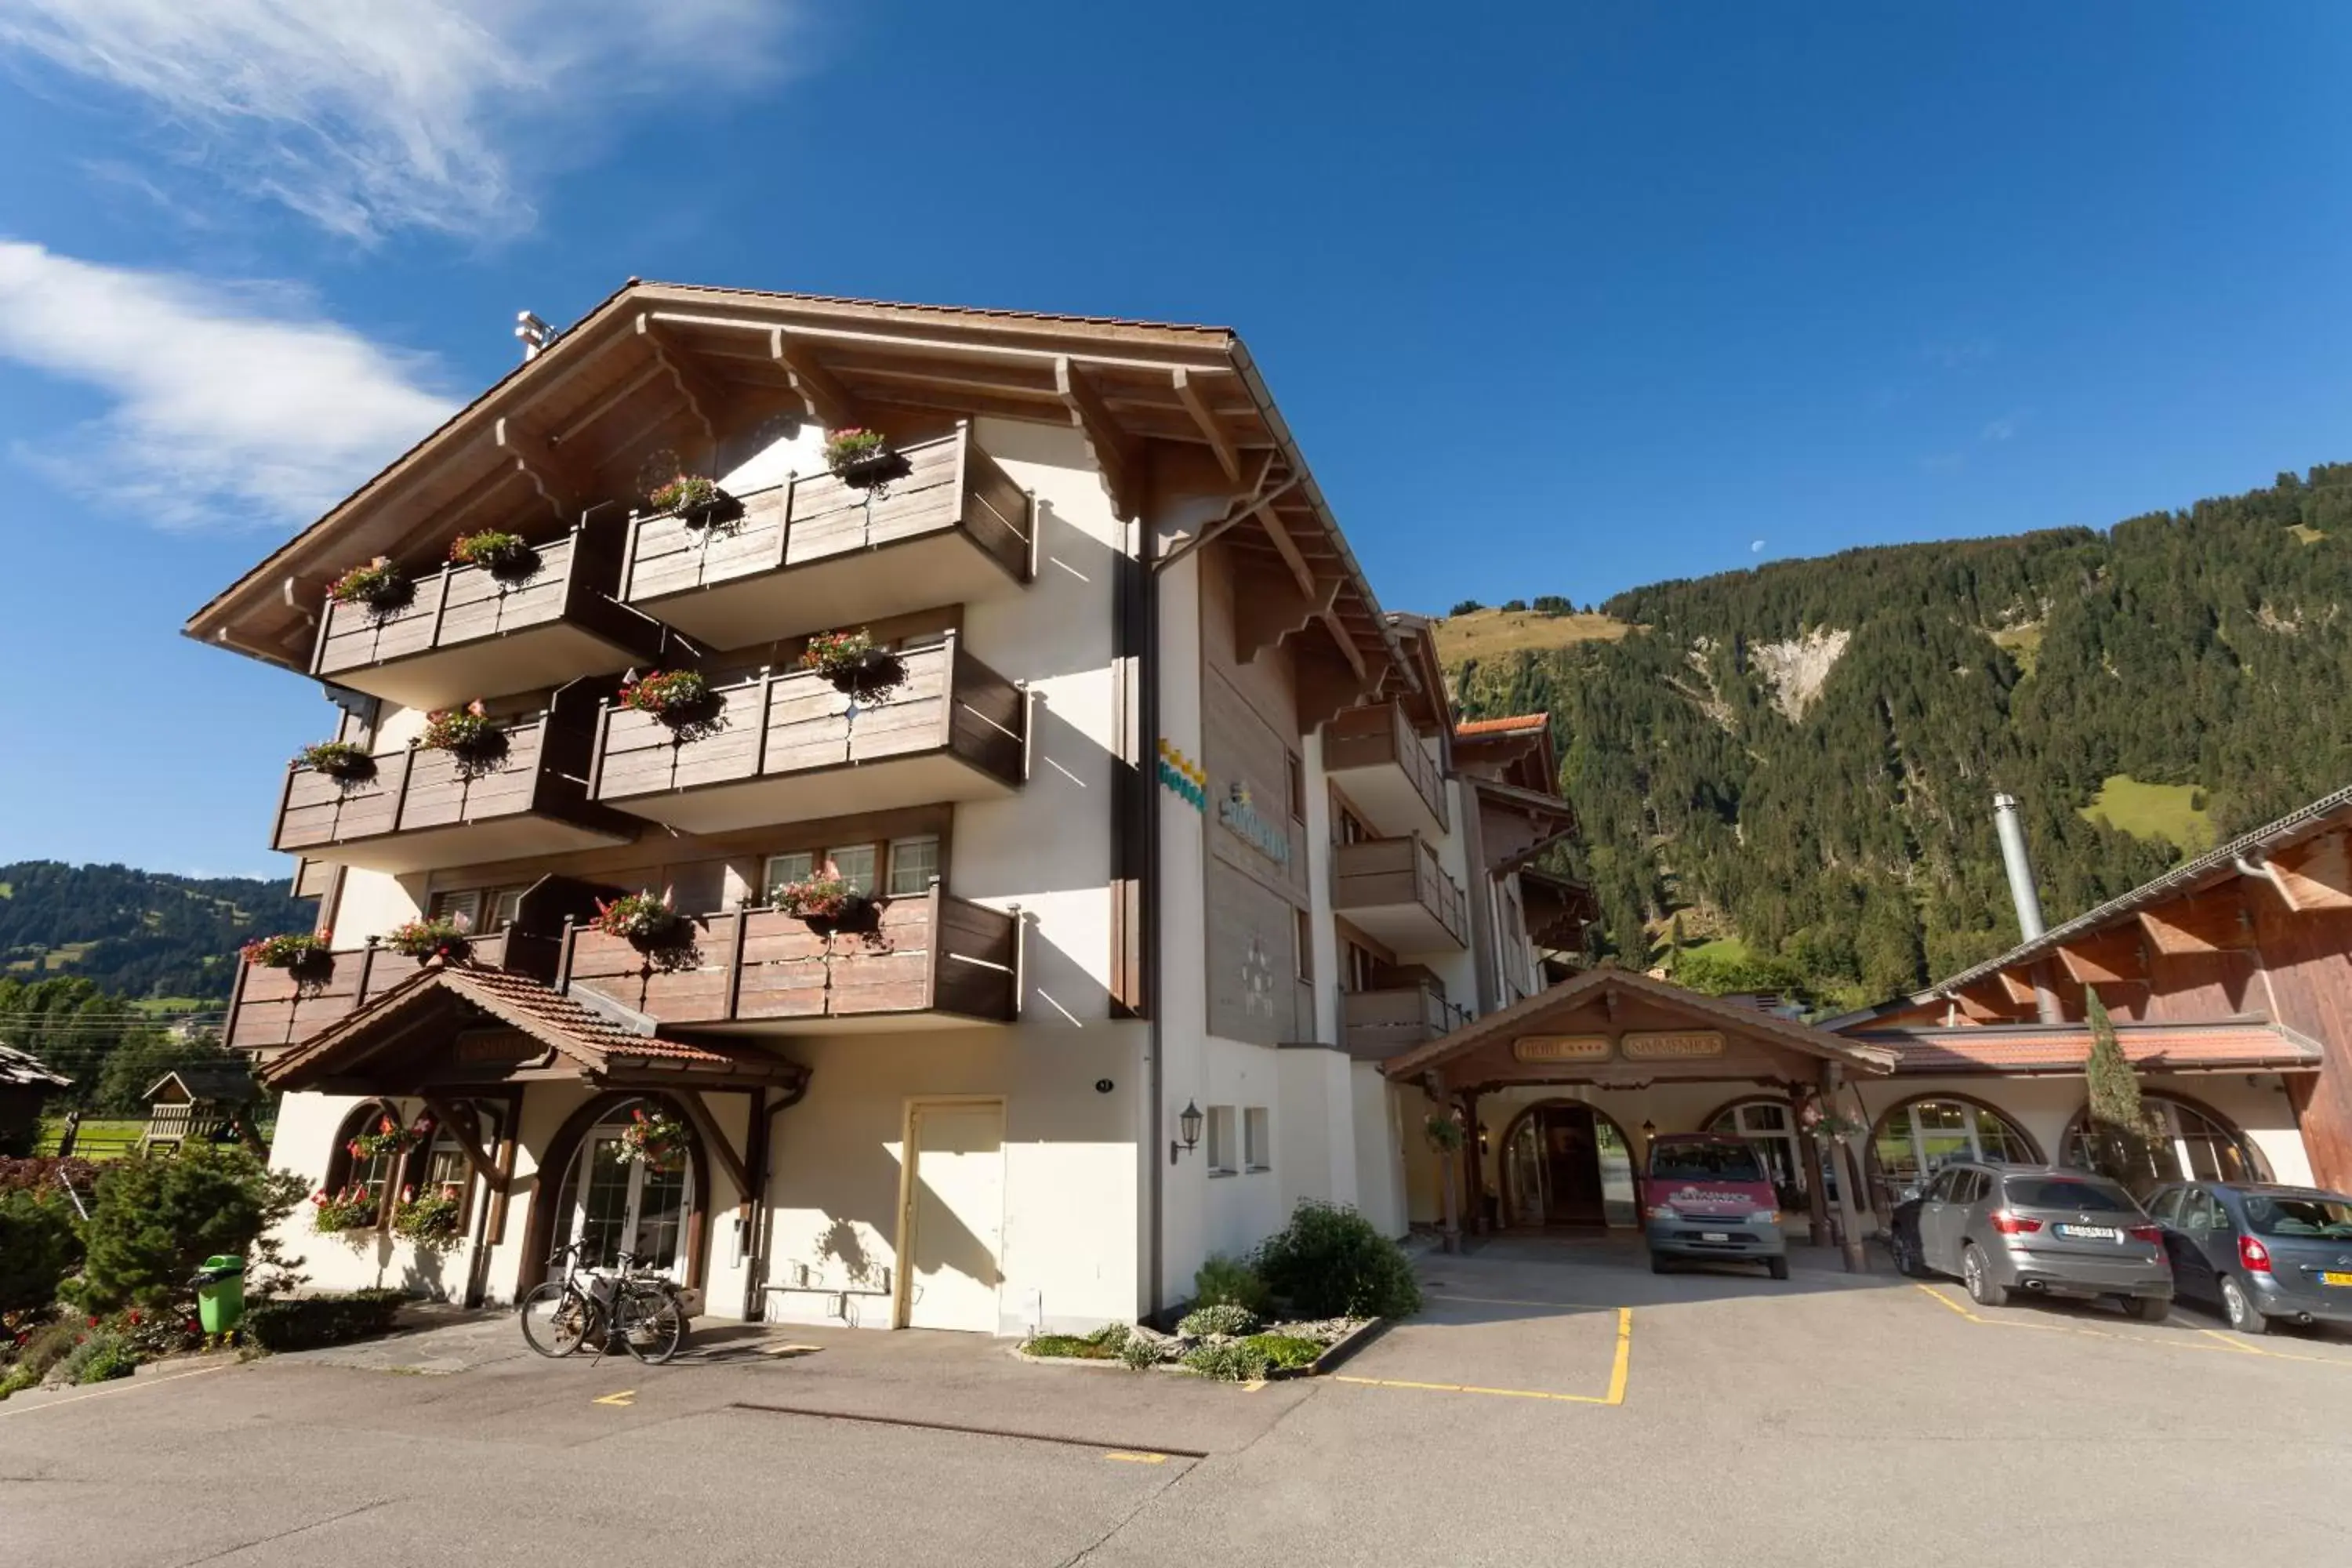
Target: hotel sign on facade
1637,1046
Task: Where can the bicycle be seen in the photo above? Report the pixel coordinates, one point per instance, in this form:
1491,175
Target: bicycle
643,1311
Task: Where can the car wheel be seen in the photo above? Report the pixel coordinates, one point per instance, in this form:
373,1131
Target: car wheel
2243,1315
1777,1267
2148,1309
1977,1275
1907,1261
1657,1263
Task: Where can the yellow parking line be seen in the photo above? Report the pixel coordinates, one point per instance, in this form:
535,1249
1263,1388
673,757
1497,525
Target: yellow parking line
1941,1299
625,1396
2225,1342
1620,1366
1138,1459
2235,1344
1512,1302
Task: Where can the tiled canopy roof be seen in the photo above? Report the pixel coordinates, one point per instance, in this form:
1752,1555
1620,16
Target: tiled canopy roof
1511,724
2032,1048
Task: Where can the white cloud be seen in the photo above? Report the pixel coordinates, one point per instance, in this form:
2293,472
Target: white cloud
235,407
372,115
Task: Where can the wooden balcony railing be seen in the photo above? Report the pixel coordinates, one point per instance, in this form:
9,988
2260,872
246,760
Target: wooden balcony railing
1395,891
912,956
465,633
1377,1024
817,551
1373,754
422,809
787,746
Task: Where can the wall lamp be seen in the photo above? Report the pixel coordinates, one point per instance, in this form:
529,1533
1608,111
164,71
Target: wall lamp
1188,1127
1649,1131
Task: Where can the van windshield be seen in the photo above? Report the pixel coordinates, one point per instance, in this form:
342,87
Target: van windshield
1705,1163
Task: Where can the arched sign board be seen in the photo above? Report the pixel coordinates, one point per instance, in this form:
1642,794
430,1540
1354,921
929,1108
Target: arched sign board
1633,1046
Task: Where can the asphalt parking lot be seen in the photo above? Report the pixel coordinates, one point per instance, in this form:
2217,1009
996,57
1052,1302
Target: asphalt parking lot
1556,1403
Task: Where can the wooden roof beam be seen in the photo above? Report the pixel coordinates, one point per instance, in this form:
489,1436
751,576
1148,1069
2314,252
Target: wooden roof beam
2313,876
1188,392
2108,957
1278,535
2211,922
1115,460
1267,609
820,391
702,399
535,456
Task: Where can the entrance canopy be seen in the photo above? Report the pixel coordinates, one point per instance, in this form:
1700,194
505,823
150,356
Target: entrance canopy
1615,1029
460,1027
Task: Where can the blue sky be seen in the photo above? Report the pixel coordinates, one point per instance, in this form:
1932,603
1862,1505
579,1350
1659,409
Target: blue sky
1728,282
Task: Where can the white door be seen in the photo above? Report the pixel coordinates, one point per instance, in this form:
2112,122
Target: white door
620,1205
953,1227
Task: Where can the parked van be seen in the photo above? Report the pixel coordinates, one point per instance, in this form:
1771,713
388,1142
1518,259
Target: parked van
1709,1196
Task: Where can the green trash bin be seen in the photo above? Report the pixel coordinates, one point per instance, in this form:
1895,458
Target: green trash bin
220,1293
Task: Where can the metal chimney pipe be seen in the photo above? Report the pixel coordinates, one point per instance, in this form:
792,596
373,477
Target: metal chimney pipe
2010,827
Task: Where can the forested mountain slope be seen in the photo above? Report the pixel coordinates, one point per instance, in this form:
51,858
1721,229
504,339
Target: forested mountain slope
136,933
1801,759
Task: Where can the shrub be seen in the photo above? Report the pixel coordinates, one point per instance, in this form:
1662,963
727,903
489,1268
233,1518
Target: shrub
1138,1354
1112,1337
1467,606
1222,1280
308,1322
1225,1320
39,1246
157,1218
1515,605
38,1173
1328,1262
99,1357
1287,1350
1552,604
18,1380
42,1350
1230,1361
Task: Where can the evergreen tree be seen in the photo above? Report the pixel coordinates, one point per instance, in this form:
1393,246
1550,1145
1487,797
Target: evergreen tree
157,1218
2115,1125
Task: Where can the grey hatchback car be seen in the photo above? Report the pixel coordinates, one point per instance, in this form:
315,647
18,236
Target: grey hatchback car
2036,1228
2262,1254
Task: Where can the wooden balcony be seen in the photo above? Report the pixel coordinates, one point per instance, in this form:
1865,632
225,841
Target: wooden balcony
1378,1025
467,634
922,962
787,747
273,1008
423,810
1377,761
815,552
1395,893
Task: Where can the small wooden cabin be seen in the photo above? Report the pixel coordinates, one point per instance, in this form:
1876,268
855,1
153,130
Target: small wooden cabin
211,1102
25,1082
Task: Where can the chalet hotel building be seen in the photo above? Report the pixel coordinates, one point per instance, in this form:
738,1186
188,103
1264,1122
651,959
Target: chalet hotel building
1161,833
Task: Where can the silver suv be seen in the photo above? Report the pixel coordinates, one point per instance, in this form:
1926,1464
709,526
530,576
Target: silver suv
2037,1228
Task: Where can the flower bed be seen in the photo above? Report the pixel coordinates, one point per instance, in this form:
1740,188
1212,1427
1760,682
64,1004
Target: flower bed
290,949
1225,1344
336,760
379,585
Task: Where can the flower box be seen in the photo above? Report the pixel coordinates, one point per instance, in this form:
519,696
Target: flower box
853,454
390,1140
658,1141
502,554
468,733
693,499
292,950
824,900
378,584
853,663
424,939
429,1220
640,919
674,696
338,760
353,1208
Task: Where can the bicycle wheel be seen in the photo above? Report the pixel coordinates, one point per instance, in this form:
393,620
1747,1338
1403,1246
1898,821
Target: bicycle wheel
652,1326
556,1319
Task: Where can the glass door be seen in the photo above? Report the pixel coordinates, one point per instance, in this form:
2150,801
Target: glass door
617,1204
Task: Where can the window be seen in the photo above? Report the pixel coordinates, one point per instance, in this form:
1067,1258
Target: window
914,865
1920,1137
1303,944
1361,967
1257,1139
854,863
483,911
506,907
1295,786
2330,1219
2088,1194
613,1204
2201,1216
347,1167
2167,1207
1222,1152
2190,1146
795,867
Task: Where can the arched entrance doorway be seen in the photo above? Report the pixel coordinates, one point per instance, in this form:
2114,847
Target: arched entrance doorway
610,1201
2190,1143
1567,1164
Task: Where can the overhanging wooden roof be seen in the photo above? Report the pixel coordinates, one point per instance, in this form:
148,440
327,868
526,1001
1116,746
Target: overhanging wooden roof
661,368
1613,1003
424,1011
2247,1046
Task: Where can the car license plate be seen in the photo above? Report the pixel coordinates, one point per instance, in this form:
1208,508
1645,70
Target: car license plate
1726,1235
2331,1278
2089,1232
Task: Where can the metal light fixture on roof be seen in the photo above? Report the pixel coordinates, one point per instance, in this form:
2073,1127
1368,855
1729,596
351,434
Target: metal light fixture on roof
1188,1126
